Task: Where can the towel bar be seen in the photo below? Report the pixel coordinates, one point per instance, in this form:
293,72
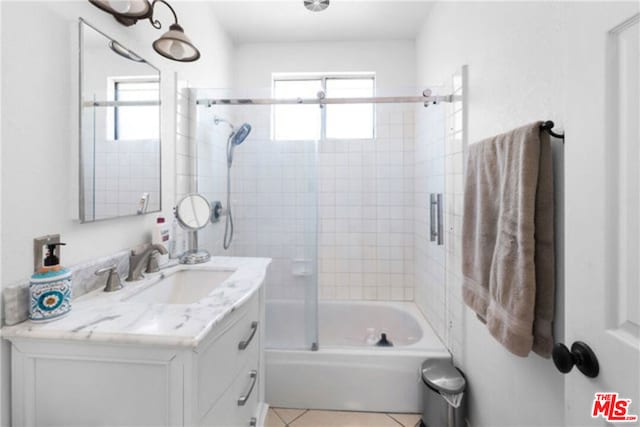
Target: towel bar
548,126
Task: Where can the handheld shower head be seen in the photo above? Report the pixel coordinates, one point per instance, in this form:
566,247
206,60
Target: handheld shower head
236,138
241,134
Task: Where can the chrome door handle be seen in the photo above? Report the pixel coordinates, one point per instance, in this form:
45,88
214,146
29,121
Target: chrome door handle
242,400
242,345
440,217
433,205
436,207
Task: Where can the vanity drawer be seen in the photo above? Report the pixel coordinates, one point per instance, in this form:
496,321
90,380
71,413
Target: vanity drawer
220,362
239,404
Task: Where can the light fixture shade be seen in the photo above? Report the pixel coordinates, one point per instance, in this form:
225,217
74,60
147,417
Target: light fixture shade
175,45
127,9
316,5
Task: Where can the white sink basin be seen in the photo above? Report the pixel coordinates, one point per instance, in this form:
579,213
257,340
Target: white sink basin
181,287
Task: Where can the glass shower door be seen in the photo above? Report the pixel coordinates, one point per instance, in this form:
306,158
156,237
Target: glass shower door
291,230
274,197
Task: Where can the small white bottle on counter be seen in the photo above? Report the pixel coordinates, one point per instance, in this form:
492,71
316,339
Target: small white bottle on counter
162,235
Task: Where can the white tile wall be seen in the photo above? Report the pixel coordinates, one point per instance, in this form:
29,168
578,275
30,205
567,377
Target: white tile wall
365,203
185,153
200,161
259,181
273,197
345,205
186,125
211,167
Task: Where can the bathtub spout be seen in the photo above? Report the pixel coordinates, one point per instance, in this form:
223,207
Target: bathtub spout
384,342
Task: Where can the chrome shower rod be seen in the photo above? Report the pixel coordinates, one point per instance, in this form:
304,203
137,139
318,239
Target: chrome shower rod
426,99
120,103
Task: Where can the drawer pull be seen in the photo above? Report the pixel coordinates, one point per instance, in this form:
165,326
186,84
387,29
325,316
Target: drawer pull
244,344
242,400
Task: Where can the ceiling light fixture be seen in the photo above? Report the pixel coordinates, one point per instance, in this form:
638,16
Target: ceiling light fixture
174,44
316,5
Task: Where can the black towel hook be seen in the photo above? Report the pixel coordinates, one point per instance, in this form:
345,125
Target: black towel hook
548,126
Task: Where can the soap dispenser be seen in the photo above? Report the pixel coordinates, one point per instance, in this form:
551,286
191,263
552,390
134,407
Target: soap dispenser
50,288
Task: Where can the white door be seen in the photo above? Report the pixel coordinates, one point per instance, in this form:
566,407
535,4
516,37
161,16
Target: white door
602,196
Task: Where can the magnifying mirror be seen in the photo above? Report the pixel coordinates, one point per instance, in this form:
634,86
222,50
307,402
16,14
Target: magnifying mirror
193,213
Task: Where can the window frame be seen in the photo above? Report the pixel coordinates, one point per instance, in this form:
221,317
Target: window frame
322,78
112,89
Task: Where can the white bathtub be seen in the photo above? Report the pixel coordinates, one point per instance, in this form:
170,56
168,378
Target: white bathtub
346,373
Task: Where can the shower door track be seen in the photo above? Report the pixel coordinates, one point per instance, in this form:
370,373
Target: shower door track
426,98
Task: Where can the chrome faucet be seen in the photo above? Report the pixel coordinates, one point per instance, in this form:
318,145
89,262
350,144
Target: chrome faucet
139,259
113,282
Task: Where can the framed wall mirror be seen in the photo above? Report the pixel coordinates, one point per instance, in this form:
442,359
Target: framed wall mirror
120,126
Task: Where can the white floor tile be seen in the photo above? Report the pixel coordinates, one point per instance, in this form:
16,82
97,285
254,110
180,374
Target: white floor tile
273,420
314,418
288,415
407,420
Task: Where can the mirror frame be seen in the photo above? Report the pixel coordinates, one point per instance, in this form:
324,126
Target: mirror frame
182,223
81,169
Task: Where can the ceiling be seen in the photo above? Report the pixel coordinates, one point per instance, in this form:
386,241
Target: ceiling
254,21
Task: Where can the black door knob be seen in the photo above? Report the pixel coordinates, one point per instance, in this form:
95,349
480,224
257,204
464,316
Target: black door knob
580,355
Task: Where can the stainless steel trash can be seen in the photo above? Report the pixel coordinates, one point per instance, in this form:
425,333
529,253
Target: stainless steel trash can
440,378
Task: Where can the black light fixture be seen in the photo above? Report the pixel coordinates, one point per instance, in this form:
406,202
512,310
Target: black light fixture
174,44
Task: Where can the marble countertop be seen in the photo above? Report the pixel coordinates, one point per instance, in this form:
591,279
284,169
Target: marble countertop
108,318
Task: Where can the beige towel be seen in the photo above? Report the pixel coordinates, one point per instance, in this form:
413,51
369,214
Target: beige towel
507,245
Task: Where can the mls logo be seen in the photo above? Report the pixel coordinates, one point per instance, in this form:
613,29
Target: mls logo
609,407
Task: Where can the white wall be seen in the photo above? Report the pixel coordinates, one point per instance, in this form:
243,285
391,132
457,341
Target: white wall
514,52
39,87
39,80
392,61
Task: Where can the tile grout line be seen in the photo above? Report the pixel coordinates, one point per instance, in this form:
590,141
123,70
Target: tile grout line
390,416
298,417
279,417
304,411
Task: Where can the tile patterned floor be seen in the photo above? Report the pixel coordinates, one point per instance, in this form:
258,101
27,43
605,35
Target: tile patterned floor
280,417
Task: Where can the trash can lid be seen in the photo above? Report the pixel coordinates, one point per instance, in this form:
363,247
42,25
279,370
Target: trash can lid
441,375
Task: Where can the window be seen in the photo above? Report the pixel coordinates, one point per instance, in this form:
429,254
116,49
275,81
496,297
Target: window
136,122
334,121
292,122
349,121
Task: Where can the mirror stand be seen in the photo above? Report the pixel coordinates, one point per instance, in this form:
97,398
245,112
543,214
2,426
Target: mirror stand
193,255
193,213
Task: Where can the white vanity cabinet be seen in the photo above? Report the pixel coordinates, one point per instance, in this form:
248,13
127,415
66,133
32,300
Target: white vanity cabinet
76,383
